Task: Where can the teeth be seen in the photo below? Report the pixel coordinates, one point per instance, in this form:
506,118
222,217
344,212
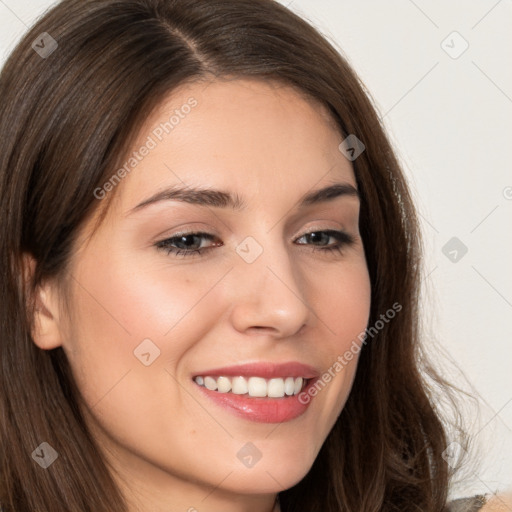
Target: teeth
257,386
254,386
239,386
298,386
289,385
275,388
223,385
210,383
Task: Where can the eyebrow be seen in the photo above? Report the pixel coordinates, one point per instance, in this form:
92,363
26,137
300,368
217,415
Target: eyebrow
223,199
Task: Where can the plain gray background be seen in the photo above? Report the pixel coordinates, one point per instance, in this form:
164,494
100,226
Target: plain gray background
439,73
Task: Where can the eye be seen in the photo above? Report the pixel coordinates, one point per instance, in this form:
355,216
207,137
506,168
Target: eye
342,240
189,243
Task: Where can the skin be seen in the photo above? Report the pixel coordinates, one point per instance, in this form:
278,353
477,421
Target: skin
499,503
172,448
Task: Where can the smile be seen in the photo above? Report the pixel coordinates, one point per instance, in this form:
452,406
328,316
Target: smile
253,386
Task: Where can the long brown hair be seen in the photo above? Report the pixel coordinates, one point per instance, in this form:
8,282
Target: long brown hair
67,117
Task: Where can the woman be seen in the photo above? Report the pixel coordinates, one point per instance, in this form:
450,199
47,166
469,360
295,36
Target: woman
210,266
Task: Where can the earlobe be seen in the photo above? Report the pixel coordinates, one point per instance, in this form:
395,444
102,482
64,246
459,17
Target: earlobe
45,327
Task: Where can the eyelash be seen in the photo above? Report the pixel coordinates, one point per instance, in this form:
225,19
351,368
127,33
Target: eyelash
344,240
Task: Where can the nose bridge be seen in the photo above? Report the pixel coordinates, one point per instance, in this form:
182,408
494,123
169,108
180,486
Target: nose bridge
269,291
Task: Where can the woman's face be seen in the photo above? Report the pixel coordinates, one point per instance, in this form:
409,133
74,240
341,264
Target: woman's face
263,291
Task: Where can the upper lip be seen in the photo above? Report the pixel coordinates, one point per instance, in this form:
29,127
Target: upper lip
267,370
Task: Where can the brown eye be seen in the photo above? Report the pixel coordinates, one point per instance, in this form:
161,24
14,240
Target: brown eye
185,244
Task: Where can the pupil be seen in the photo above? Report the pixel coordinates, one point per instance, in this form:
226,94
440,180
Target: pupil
316,236
185,237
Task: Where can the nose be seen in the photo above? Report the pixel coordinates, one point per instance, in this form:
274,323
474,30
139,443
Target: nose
269,294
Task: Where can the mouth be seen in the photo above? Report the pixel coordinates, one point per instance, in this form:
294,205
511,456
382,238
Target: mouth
260,392
256,387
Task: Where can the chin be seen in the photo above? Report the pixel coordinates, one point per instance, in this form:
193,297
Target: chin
276,474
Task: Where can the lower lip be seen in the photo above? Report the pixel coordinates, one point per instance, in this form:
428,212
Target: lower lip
261,409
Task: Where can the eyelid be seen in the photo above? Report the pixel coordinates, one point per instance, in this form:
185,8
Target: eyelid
190,228
316,227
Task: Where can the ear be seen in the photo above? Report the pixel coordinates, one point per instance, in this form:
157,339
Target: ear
44,306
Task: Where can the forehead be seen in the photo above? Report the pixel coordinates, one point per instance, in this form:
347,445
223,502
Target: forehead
248,135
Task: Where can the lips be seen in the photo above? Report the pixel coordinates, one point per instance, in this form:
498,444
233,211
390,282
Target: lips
267,370
259,409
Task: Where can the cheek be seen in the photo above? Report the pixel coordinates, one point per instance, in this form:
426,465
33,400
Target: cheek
341,304
342,308
135,301
126,310
125,319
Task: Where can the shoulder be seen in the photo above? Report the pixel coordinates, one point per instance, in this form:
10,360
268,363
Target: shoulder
498,503
472,504
482,503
